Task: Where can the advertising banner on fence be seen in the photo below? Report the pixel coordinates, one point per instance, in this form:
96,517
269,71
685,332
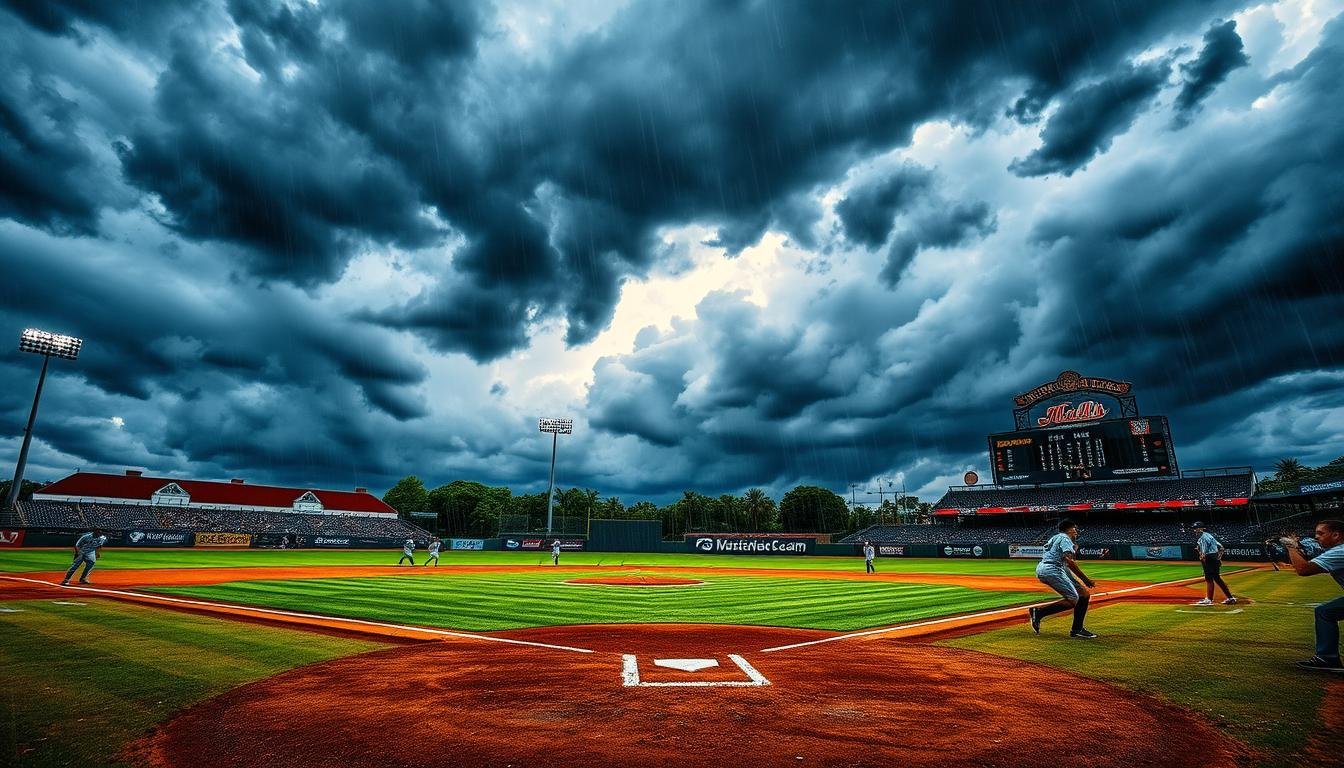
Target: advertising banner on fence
1026,550
473,544
1246,552
158,539
749,545
543,542
1167,552
223,539
11,537
973,550
1094,553
885,550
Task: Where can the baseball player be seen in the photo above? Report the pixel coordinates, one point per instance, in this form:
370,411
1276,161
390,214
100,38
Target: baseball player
1329,558
1059,570
407,552
434,546
1211,556
868,554
86,552
555,552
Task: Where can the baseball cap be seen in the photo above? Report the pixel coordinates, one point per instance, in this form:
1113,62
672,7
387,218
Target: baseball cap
1197,525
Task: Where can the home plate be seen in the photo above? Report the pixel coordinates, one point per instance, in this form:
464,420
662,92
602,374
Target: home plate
750,677
686,665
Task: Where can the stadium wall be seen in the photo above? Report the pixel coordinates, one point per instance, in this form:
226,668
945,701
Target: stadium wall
625,535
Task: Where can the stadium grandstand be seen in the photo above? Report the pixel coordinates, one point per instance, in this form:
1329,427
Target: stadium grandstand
135,502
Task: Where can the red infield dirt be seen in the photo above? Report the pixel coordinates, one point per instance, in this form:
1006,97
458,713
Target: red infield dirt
866,702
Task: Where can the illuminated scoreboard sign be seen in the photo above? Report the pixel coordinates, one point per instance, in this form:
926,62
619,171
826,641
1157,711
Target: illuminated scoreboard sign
1105,450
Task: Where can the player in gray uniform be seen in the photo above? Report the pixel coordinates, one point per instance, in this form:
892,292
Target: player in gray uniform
86,552
555,552
407,550
868,554
1211,557
434,546
1057,570
1330,536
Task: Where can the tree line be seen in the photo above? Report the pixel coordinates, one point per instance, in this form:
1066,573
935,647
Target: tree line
471,509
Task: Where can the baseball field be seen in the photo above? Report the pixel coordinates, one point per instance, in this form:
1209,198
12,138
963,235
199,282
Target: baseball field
306,658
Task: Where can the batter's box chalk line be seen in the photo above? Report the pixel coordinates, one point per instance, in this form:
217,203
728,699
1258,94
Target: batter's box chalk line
630,674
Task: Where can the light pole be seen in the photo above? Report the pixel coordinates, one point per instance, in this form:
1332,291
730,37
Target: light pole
45,344
555,427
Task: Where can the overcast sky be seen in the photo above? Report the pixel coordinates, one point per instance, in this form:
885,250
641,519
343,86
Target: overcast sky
740,243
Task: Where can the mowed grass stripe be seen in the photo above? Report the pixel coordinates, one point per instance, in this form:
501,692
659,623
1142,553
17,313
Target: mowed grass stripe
515,601
28,560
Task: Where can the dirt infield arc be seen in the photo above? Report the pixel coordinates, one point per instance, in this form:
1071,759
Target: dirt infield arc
875,702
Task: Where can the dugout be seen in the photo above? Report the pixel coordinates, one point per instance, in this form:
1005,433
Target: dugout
625,535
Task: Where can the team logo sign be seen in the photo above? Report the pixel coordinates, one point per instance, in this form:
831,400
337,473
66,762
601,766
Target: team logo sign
704,545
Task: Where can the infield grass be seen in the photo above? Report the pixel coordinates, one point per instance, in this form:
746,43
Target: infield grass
494,601
1234,665
81,681
52,560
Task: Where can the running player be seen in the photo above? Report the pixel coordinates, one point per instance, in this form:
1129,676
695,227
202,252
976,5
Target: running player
1057,570
407,552
434,546
1211,556
86,552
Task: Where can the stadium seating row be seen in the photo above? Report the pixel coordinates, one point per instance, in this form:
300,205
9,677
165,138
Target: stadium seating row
1203,490
47,514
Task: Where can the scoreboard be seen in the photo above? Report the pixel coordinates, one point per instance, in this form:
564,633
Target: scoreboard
1115,449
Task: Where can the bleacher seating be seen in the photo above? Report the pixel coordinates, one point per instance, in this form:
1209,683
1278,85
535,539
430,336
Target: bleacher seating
1202,490
114,517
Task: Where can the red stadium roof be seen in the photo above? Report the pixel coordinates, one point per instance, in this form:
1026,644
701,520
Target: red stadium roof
134,486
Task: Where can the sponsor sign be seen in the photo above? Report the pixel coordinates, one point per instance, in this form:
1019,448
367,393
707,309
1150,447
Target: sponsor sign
1063,413
466,544
341,542
890,550
157,539
749,545
1026,550
538,543
1333,485
1068,382
1168,552
513,543
1245,553
1094,553
974,550
11,537
223,539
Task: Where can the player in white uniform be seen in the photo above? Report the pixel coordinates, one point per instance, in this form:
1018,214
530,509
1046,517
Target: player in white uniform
555,552
86,552
1057,570
434,546
407,552
868,554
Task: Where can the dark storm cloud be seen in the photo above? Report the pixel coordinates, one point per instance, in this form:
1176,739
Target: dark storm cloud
1221,54
41,156
868,210
1090,117
374,128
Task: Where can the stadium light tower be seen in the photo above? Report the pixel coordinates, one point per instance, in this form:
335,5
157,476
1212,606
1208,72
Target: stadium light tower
47,345
556,428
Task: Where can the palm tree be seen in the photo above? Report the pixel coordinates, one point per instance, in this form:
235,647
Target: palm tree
758,505
1288,469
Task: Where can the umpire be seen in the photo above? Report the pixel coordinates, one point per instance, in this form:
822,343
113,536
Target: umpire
1211,556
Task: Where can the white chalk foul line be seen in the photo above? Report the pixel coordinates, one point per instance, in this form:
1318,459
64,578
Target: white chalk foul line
964,617
630,676
299,615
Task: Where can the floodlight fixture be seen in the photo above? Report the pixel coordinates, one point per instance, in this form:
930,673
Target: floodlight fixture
48,345
555,427
41,342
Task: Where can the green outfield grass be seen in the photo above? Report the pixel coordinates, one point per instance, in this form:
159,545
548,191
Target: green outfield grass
483,602
21,560
1235,668
80,681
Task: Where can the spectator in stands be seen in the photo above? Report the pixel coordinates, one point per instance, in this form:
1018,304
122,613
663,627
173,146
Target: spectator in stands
1211,557
1330,535
1057,570
868,554
86,552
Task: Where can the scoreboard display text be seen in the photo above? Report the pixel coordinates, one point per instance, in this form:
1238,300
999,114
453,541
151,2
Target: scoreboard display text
1105,450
